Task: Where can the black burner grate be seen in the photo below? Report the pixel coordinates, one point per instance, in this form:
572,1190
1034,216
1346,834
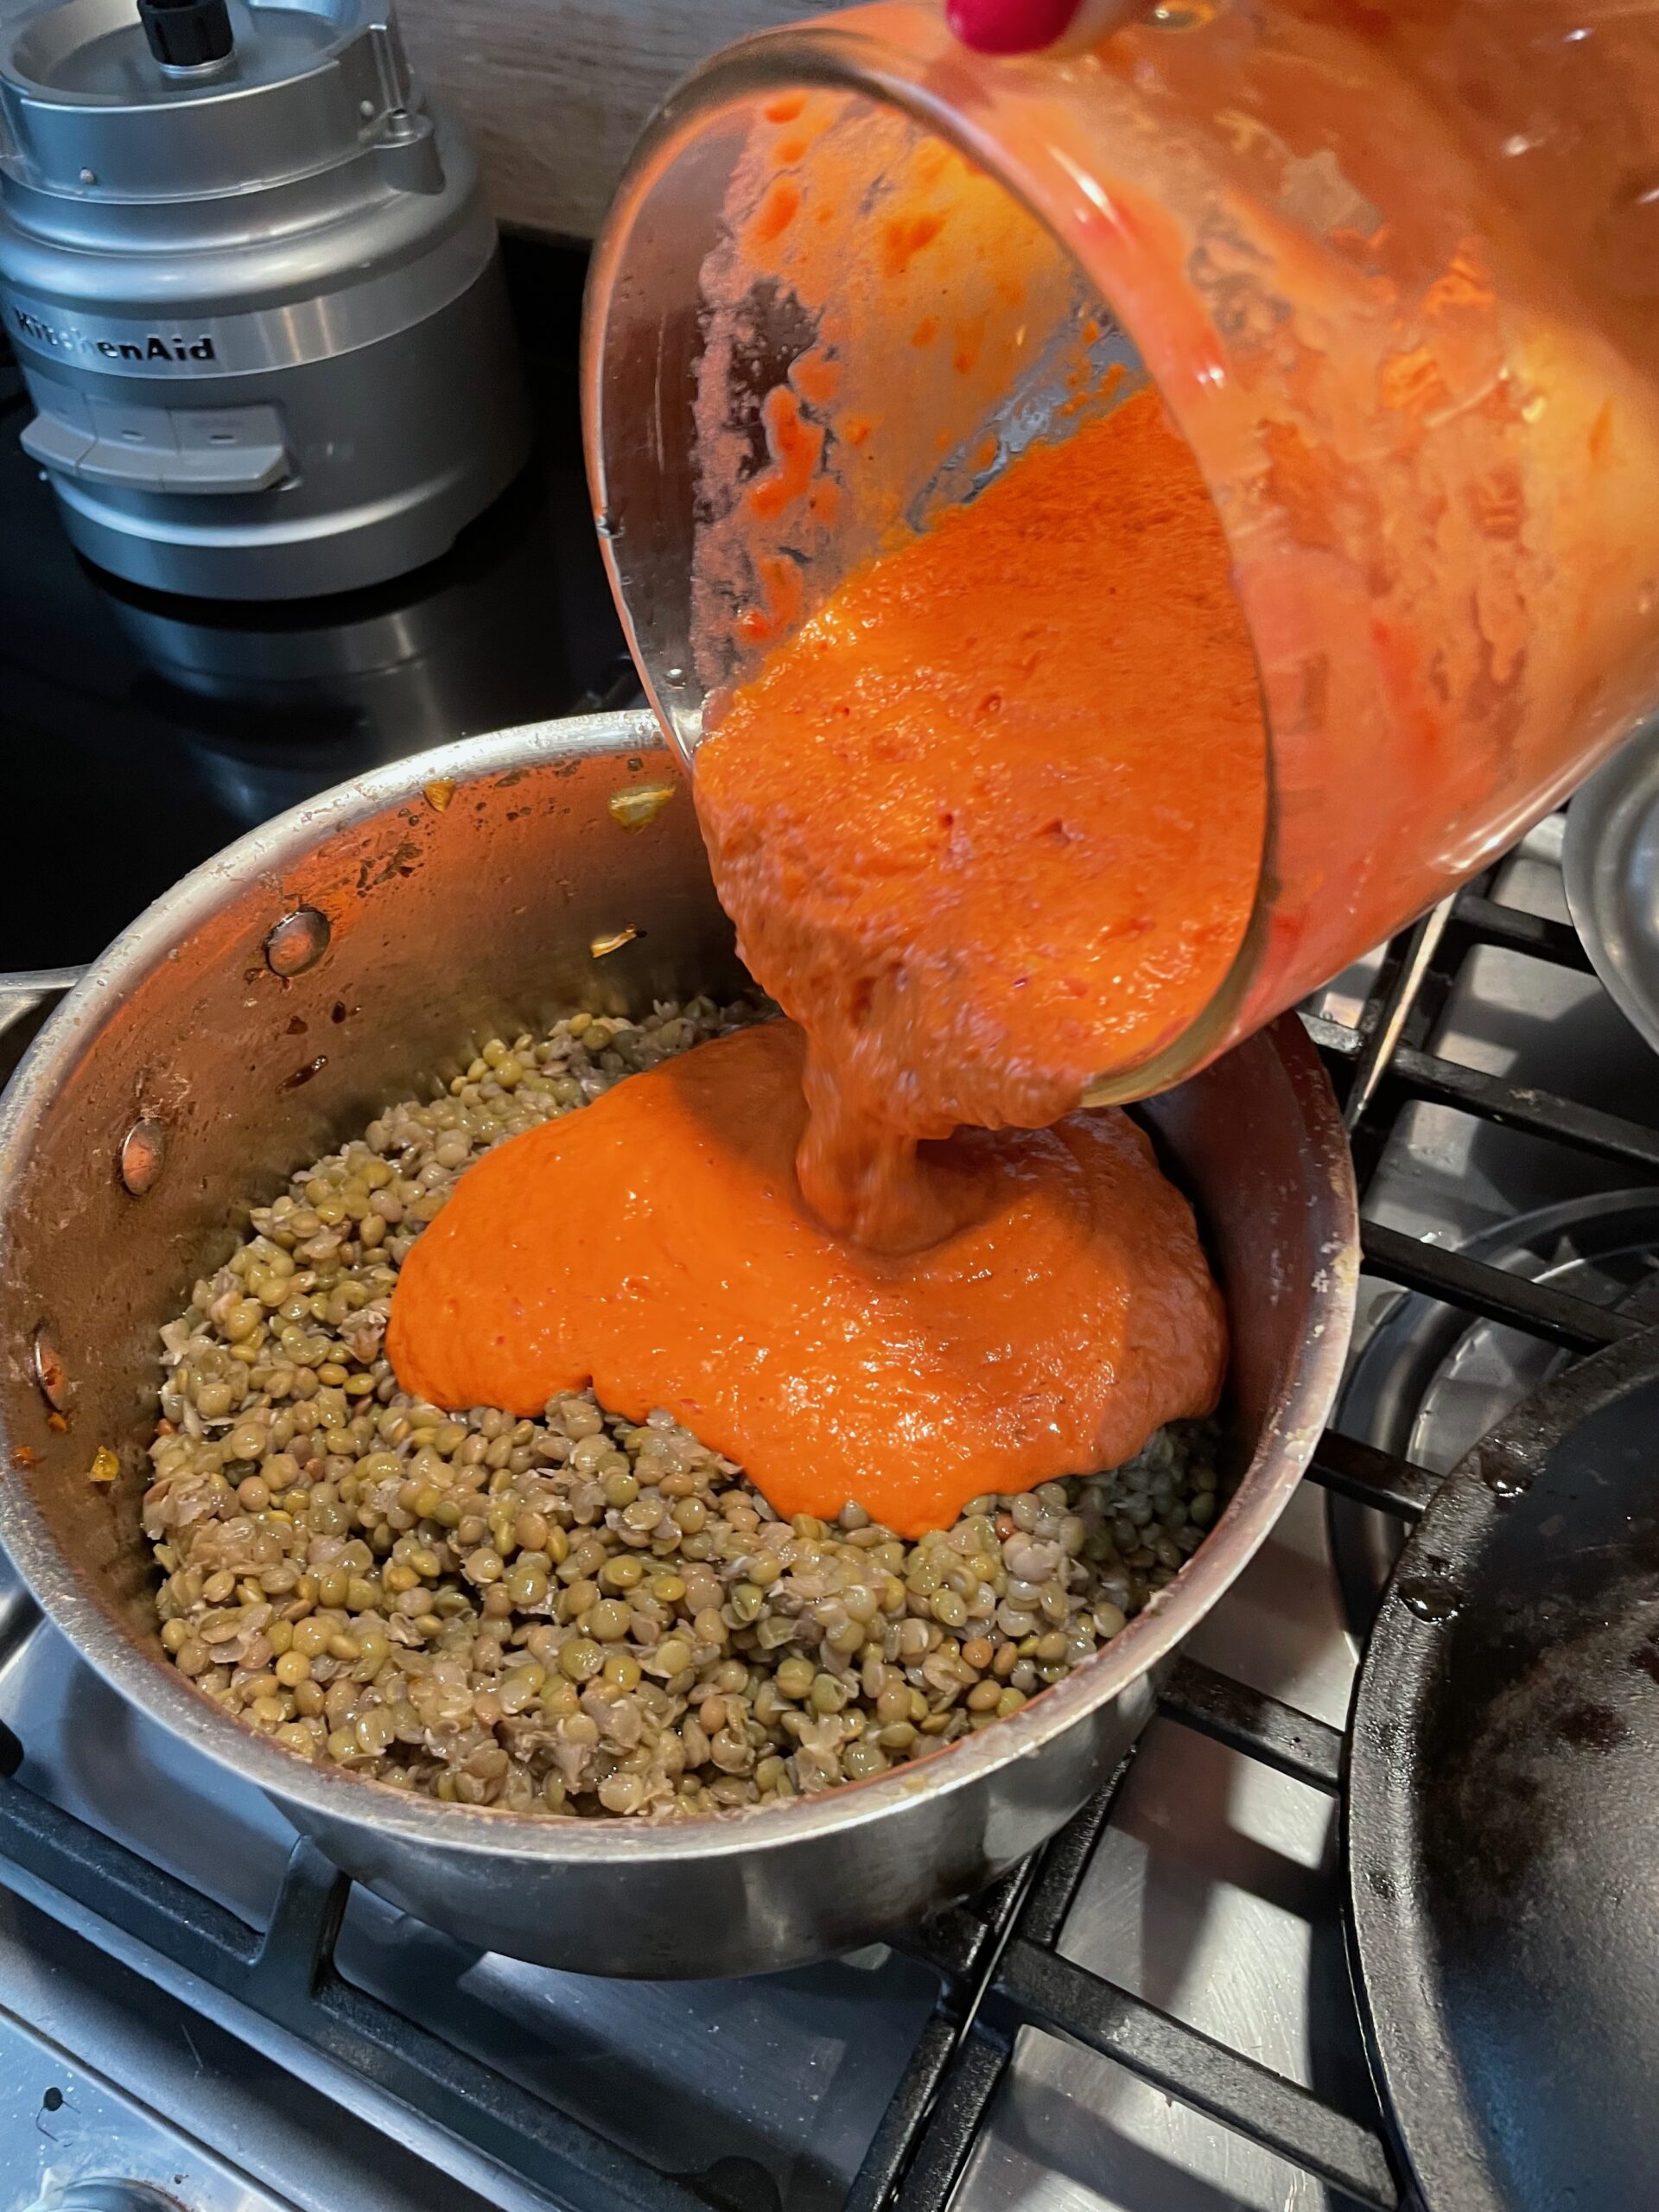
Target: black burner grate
998,1962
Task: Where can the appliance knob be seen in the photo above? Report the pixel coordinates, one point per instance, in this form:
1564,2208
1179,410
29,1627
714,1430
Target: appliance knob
111,2195
187,34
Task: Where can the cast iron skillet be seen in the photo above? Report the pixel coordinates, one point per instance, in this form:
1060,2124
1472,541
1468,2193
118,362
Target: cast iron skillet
1502,1810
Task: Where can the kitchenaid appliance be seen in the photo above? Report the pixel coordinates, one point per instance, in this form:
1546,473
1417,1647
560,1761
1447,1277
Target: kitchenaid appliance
255,291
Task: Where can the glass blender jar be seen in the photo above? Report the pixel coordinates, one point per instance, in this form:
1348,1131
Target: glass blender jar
1395,274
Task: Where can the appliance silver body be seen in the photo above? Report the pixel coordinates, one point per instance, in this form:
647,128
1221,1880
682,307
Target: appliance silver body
446,916
257,303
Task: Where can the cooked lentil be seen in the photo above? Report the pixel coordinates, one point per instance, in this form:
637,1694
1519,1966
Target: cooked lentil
575,1614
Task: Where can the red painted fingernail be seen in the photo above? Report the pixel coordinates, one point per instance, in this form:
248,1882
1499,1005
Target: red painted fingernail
1010,26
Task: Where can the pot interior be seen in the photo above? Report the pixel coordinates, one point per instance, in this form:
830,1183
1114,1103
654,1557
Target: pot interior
466,908
471,893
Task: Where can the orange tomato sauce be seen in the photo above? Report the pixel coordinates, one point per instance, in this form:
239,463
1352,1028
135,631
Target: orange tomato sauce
988,823
655,1244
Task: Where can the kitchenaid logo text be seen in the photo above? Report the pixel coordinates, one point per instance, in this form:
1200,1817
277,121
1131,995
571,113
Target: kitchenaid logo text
151,347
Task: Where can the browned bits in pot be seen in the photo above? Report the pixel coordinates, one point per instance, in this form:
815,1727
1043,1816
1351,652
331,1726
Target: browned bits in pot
574,1615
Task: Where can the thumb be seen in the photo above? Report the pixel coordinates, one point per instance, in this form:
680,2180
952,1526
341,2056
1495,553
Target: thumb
1034,26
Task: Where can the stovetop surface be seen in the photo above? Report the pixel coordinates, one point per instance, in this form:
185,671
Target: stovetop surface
141,735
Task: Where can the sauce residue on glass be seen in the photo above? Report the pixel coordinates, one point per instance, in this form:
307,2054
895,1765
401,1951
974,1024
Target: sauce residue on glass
655,1245
974,882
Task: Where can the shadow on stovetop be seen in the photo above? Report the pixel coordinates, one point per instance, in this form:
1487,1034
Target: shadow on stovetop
767,2090
1081,2148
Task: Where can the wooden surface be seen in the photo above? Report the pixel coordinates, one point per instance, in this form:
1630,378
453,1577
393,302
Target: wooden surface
556,91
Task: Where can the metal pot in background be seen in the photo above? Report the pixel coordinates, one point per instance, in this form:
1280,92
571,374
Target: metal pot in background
1610,860
443,916
255,291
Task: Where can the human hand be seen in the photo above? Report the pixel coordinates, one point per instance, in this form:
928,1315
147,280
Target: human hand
1037,26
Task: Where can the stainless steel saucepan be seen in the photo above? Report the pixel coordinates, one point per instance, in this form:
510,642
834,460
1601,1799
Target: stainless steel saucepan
346,955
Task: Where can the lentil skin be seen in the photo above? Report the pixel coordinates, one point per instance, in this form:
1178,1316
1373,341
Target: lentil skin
347,1530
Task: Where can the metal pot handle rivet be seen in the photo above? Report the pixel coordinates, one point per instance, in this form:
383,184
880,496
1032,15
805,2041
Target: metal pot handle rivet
297,941
144,1154
51,1376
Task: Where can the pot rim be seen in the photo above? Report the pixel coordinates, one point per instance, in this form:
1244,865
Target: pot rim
324,1793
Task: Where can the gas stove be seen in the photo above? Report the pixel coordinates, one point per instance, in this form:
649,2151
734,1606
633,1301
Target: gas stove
1155,2012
